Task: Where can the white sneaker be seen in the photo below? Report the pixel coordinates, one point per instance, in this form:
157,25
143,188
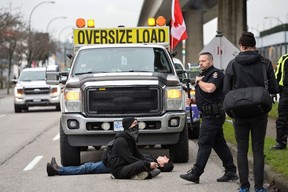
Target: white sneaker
140,176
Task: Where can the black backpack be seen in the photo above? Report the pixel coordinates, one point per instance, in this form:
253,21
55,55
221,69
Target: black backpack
107,154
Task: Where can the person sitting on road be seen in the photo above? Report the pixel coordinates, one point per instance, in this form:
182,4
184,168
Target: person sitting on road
127,161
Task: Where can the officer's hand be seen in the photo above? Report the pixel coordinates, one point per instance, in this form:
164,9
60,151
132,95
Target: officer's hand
198,78
188,101
274,98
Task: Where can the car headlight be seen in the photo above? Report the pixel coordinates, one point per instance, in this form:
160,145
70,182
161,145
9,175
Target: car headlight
55,91
72,100
19,91
174,99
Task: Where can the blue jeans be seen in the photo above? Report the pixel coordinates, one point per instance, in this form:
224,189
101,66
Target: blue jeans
86,168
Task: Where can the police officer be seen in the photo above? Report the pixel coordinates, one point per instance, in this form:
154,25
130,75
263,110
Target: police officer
281,122
209,97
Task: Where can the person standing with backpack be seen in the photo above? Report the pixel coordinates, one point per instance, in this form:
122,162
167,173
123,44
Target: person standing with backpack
246,70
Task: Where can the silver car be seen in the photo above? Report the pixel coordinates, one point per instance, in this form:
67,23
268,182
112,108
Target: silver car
31,90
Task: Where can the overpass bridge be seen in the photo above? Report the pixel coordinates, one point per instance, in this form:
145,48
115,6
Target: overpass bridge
232,20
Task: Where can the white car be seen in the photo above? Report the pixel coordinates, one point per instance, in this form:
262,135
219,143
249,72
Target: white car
31,90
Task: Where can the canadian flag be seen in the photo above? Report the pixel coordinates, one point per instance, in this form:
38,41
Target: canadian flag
178,27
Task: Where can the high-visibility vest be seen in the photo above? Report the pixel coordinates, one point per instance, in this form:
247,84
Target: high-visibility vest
280,72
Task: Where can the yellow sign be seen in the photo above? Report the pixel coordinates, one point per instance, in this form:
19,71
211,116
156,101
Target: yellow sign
121,35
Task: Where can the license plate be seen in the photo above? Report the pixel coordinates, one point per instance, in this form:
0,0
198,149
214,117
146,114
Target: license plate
118,126
37,100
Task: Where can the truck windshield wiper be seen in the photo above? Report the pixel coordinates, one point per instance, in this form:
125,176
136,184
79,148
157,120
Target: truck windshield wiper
137,71
83,73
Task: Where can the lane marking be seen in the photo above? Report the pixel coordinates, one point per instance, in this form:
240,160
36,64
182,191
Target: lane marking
32,163
57,137
2,116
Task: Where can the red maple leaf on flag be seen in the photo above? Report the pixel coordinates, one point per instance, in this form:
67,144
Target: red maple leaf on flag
178,27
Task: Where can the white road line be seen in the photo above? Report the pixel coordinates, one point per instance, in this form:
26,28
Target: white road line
57,137
2,116
32,163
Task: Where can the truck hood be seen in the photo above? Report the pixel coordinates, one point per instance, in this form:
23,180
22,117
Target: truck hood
167,79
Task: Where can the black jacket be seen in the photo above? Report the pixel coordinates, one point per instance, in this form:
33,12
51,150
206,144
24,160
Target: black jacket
246,70
126,152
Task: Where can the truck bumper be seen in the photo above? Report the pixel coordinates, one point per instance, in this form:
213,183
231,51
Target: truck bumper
85,136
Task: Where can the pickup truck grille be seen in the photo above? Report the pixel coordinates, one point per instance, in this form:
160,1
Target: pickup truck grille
37,91
119,101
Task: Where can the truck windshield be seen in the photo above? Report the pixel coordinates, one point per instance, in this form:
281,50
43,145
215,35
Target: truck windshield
121,59
32,76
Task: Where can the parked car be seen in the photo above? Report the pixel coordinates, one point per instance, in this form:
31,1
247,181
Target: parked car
31,90
193,116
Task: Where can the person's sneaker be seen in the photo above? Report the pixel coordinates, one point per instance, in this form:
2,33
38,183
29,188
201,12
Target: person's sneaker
278,146
51,171
228,176
54,163
140,176
190,177
242,189
260,190
155,172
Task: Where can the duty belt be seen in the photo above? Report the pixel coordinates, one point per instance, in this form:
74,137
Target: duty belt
212,109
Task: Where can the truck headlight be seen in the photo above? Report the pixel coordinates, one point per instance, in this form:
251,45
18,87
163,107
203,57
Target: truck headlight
19,91
55,91
72,99
174,99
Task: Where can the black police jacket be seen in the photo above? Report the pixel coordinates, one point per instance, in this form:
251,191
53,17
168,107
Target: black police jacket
215,76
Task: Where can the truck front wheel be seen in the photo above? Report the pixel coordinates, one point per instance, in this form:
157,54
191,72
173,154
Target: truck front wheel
70,156
179,153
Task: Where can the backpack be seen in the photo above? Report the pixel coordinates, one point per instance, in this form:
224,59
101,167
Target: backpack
249,101
107,154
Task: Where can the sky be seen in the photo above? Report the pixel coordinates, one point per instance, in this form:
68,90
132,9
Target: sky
111,13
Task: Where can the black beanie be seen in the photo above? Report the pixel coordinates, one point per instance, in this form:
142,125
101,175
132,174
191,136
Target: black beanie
127,122
247,39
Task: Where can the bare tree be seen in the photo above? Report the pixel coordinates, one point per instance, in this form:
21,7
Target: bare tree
11,34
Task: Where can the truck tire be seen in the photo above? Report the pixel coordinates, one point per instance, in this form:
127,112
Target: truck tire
193,132
179,153
17,109
70,156
58,108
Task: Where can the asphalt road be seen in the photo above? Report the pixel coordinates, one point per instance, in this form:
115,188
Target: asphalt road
29,140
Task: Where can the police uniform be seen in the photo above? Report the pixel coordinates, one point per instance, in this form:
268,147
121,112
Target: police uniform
281,122
213,116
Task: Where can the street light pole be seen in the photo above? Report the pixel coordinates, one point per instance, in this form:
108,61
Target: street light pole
55,18
284,30
43,2
29,59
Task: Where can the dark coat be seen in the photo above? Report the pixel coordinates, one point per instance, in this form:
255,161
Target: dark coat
246,70
126,152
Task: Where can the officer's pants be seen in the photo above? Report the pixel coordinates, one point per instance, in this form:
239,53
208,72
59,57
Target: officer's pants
281,122
211,137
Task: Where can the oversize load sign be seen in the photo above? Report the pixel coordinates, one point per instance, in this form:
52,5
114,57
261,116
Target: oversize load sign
122,35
